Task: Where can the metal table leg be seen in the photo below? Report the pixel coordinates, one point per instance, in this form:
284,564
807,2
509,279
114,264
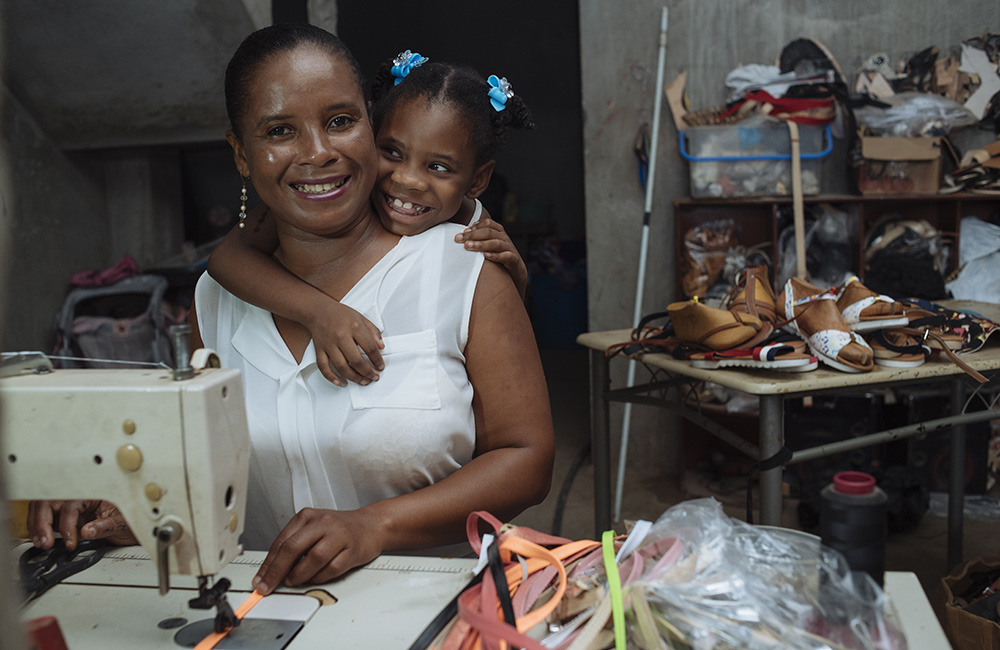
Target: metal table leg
600,440
956,479
772,437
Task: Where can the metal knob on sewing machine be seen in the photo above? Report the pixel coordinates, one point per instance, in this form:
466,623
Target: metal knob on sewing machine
169,447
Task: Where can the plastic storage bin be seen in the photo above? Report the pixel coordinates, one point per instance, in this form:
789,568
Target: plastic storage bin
739,160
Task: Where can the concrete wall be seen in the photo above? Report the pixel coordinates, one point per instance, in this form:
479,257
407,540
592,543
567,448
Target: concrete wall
76,211
55,223
707,38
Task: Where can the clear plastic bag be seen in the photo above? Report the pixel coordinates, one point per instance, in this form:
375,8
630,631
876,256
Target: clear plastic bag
979,246
829,245
704,255
914,115
756,587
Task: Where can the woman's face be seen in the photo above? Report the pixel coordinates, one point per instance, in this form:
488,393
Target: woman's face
426,166
306,141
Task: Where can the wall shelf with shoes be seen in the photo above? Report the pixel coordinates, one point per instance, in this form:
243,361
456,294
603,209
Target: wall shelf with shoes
903,244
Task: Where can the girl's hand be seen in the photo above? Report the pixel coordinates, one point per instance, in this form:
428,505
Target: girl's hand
340,335
317,546
489,237
77,520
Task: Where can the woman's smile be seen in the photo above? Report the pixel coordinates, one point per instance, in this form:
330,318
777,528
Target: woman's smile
322,189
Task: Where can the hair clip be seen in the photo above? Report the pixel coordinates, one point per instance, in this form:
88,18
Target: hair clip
404,63
500,92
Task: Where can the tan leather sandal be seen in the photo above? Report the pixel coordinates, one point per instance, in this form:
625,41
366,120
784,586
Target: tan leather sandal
716,329
894,348
752,294
814,316
864,310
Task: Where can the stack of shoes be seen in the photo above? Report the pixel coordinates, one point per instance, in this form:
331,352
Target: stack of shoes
945,332
740,336
816,317
901,334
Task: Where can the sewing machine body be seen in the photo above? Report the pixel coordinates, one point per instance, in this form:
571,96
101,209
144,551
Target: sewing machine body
172,455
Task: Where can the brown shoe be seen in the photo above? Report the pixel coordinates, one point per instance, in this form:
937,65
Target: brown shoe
864,310
813,315
753,294
716,329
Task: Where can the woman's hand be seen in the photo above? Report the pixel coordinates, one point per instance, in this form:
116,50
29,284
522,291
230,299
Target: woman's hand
489,237
340,335
317,546
77,520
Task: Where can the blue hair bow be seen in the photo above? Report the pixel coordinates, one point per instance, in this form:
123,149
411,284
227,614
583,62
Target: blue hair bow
500,92
404,63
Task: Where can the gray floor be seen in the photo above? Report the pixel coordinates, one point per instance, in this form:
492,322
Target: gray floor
921,549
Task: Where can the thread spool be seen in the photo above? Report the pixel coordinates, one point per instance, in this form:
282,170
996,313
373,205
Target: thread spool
853,521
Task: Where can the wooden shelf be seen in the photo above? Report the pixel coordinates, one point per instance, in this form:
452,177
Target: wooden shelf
758,220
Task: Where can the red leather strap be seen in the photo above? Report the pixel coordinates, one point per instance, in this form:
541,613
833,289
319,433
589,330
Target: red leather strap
472,528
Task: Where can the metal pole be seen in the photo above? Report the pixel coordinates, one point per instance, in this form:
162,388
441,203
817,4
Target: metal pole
956,479
600,440
643,251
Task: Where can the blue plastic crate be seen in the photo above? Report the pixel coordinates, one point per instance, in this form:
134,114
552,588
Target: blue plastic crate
740,160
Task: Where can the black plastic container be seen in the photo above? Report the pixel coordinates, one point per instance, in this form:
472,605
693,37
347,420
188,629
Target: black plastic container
853,521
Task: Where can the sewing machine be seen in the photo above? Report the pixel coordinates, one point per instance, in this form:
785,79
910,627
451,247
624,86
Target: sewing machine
172,453
169,447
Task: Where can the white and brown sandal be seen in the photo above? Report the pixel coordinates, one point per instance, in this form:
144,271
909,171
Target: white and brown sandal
813,315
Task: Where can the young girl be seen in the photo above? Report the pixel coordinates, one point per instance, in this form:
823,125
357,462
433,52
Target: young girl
436,134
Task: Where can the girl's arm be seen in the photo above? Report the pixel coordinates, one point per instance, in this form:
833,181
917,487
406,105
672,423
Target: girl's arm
510,471
242,263
488,236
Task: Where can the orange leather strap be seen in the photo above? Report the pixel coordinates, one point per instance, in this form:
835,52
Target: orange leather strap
212,639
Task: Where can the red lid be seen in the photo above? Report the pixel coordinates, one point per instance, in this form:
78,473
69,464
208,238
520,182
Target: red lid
853,483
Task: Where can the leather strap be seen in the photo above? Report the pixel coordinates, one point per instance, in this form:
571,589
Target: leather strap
944,348
213,639
798,206
614,588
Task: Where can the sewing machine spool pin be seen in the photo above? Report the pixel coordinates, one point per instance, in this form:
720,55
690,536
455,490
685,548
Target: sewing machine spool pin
182,351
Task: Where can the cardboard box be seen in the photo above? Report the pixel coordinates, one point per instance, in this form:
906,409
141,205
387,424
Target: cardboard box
899,165
967,630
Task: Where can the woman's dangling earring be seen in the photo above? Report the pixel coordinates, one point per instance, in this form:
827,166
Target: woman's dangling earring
243,201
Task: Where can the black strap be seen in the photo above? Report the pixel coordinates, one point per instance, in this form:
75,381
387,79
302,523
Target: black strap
783,456
444,617
500,578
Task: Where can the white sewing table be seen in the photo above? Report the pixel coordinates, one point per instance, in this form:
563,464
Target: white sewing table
384,605
116,604
773,388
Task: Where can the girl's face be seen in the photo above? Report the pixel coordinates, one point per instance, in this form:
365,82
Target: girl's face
306,141
427,165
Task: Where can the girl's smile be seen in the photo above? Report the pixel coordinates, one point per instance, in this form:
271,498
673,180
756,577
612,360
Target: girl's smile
427,166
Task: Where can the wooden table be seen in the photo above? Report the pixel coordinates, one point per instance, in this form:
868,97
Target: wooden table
773,388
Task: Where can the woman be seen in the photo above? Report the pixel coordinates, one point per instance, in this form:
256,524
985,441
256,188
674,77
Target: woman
459,420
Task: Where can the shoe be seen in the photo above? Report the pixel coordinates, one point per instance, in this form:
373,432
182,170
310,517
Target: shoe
775,356
864,310
895,348
813,315
716,329
946,327
753,294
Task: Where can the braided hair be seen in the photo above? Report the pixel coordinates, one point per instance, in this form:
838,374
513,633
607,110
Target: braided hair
461,87
264,43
